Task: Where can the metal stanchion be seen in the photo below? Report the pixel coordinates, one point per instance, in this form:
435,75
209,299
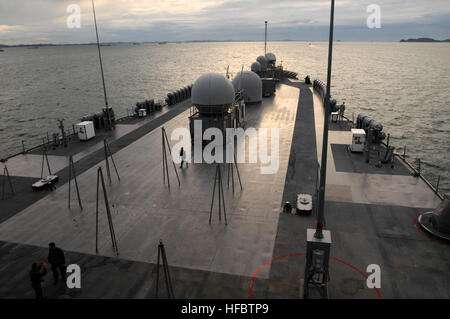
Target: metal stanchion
164,142
6,177
417,173
107,155
230,167
45,158
162,255
108,213
72,173
218,180
437,184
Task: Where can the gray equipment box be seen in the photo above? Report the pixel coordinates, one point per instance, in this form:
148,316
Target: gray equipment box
268,87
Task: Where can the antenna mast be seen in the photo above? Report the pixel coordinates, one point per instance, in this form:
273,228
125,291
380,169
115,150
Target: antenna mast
265,39
101,67
323,167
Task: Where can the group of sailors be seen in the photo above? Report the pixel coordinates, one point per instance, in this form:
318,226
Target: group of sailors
341,108
38,271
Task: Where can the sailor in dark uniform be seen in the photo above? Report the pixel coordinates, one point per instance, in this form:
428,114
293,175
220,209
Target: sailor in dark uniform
36,273
57,260
342,110
307,80
183,157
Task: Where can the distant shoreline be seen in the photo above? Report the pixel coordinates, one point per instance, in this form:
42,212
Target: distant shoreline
37,45
424,40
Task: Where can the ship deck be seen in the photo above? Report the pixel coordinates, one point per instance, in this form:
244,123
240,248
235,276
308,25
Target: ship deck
370,212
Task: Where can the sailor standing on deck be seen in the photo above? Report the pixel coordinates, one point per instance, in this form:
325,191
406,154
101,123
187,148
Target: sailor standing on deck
36,273
183,157
57,260
342,110
307,80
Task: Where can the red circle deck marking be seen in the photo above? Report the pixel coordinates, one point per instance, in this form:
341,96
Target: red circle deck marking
303,254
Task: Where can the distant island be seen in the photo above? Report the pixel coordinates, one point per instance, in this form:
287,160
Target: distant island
424,40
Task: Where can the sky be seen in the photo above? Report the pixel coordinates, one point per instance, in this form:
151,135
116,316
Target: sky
45,21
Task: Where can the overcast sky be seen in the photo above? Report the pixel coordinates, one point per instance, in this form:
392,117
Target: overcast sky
38,21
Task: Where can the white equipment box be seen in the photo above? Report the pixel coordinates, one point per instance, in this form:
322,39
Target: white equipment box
334,117
358,140
304,204
85,130
142,112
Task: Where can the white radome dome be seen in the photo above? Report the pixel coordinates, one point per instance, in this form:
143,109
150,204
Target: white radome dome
256,67
212,89
271,57
263,61
251,84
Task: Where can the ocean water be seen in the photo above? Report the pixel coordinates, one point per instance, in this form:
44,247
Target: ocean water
404,86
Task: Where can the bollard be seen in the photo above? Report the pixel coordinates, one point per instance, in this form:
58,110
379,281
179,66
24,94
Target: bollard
23,146
404,152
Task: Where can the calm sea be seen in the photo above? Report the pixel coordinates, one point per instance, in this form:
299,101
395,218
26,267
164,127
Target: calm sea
404,86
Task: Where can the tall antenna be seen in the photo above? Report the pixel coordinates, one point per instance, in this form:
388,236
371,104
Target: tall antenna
323,166
318,242
101,66
265,40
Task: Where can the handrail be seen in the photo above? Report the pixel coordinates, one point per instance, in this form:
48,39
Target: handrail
320,88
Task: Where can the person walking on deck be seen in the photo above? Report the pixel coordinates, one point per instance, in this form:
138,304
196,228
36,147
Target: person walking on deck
342,110
36,273
183,157
57,260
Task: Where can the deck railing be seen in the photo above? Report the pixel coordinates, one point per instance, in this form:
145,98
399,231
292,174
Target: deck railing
416,168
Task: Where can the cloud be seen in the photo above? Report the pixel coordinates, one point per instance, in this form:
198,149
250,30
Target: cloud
156,20
10,28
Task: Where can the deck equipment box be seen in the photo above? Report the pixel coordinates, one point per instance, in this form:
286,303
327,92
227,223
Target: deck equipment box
268,87
304,204
85,130
44,182
142,112
358,140
334,117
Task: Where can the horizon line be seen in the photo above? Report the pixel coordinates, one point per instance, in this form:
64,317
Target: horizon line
197,41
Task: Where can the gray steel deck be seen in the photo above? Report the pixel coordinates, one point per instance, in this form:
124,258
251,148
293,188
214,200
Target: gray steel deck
370,215
145,210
